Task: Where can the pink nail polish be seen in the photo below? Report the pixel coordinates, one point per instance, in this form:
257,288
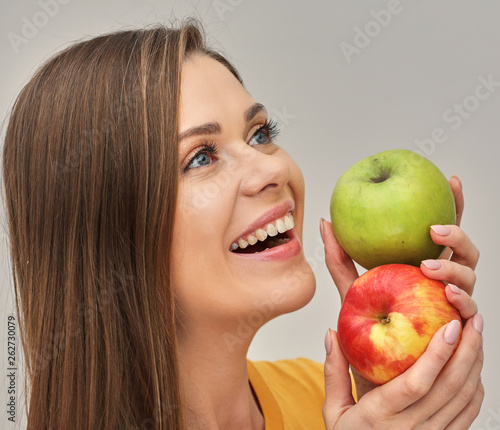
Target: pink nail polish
328,343
457,179
452,332
455,289
442,230
432,264
321,229
478,323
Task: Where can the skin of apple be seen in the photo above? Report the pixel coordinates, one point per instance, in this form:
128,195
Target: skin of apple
385,222
413,307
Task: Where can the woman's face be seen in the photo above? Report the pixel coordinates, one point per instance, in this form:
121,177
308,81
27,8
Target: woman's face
237,249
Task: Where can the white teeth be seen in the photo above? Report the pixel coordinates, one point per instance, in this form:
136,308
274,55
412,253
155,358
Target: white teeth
252,240
261,234
271,230
280,226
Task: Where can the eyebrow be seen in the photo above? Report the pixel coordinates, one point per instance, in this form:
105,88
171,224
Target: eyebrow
215,127
253,110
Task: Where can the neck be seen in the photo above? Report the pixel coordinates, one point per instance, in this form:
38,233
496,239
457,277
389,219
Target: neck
214,378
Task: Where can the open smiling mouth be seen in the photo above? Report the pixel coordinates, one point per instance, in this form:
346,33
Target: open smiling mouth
275,233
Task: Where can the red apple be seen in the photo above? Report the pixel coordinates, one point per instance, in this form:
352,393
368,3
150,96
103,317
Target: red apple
388,318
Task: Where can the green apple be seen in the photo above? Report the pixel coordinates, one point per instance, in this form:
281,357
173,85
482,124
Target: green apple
383,206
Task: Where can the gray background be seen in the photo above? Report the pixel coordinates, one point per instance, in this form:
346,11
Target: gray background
401,84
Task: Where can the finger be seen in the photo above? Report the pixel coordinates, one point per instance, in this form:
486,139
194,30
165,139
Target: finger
461,400
339,264
470,412
464,251
412,385
461,300
449,271
456,187
338,389
454,375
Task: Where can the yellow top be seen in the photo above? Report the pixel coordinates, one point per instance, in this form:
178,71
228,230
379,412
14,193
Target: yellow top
290,393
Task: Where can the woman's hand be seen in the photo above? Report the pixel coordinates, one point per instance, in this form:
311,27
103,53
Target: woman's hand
458,261
459,247
435,393
461,382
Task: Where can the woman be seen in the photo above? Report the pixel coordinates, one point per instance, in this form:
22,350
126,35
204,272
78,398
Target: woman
150,213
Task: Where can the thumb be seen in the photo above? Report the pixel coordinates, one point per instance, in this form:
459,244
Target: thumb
340,265
338,389
456,187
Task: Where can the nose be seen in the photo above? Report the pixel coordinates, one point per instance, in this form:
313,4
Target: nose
263,172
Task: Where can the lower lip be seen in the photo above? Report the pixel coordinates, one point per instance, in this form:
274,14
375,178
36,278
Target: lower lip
278,253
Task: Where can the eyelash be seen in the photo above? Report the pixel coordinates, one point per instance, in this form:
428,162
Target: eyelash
209,147
270,127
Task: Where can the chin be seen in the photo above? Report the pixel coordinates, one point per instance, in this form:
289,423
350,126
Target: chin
295,290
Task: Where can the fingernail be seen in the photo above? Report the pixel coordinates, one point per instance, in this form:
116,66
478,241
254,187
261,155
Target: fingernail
432,264
452,332
321,228
455,289
457,178
328,343
478,323
442,230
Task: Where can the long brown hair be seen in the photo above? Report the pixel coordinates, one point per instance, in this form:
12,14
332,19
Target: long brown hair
90,172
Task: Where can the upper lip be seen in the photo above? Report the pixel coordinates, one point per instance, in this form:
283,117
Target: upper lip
269,216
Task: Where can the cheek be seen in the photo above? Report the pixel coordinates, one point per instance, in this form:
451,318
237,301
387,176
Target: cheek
297,185
297,180
200,221
199,227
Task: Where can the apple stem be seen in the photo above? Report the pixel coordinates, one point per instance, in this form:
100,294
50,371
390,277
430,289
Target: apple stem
386,320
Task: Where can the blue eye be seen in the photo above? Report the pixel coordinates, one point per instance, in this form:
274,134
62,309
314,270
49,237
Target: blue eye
203,156
260,137
265,134
200,159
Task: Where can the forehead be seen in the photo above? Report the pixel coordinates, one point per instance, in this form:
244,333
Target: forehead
209,92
